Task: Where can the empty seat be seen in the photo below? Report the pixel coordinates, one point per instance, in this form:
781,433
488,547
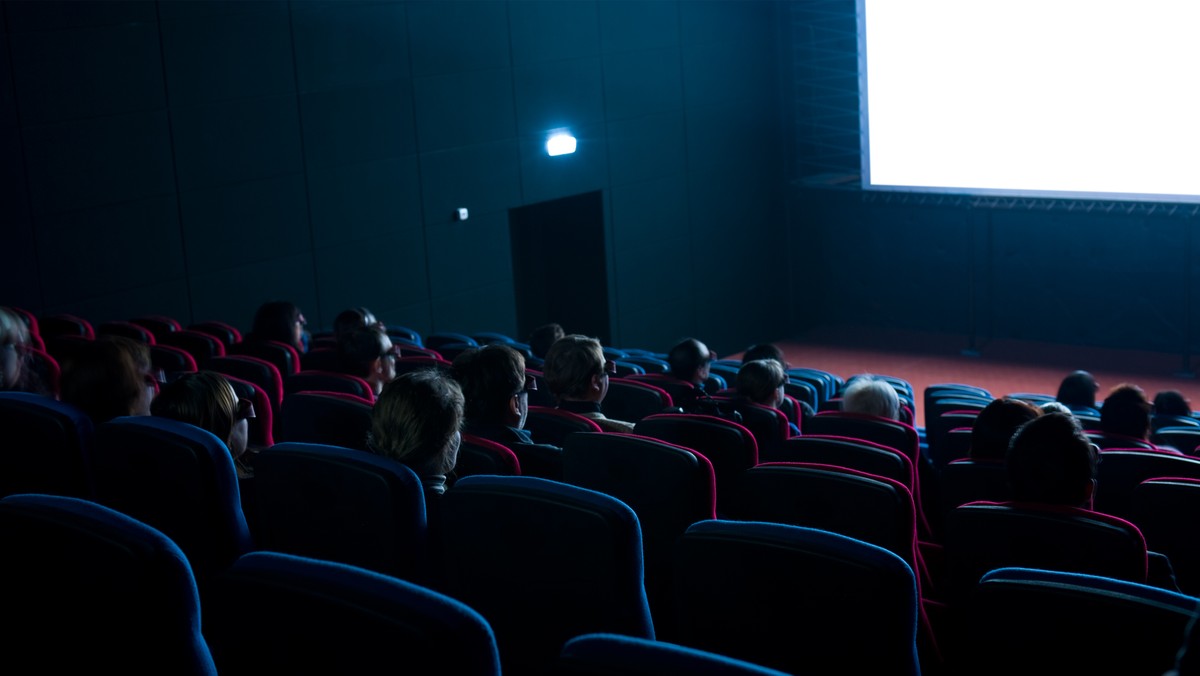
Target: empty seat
159,325
332,418
730,447
858,454
1120,472
126,330
796,599
552,425
1028,621
631,400
342,505
91,590
327,381
1164,510
202,346
276,613
543,562
616,655
669,487
477,455
65,325
283,356
177,478
227,333
47,446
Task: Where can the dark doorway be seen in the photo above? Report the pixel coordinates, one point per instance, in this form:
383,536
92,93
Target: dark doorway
560,270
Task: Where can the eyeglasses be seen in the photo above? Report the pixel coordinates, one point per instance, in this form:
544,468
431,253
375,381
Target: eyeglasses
610,368
301,321
530,385
1096,453
245,409
390,353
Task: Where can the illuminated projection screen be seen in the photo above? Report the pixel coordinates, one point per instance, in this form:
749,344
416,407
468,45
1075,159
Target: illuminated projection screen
1083,99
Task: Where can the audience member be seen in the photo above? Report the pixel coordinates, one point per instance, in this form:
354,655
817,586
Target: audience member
1170,408
868,395
1078,391
765,351
995,425
1126,413
14,345
367,352
417,421
348,321
207,400
110,377
496,389
1051,461
577,373
1055,407
541,338
689,361
761,382
280,321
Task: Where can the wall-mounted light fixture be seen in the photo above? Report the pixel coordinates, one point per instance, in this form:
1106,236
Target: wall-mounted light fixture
560,143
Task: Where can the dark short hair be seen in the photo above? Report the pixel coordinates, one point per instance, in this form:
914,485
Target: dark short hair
1171,402
541,338
995,425
276,320
1077,390
1126,411
1051,461
489,376
571,363
764,351
685,358
359,348
350,320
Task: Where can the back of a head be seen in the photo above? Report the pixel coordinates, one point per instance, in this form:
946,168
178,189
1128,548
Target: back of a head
489,377
759,381
1078,390
1171,402
358,349
351,320
869,395
1126,411
1051,461
204,399
541,338
686,358
995,425
764,351
570,365
14,337
106,378
276,320
416,420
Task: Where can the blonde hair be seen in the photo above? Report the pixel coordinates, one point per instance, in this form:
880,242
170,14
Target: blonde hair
571,363
416,420
758,380
204,399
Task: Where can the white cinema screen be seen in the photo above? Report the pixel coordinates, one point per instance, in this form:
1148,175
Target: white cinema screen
1086,99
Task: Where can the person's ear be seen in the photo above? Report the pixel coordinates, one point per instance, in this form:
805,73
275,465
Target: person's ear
514,406
597,385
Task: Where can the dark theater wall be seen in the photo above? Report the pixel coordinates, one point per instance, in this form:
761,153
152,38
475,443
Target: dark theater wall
1085,273
197,158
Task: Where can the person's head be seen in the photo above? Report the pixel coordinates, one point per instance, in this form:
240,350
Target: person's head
541,338
1050,460
576,369
765,351
1172,402
1078,390
1055,407
207,400
1126,411
14,341
280,320
367,352
995,426
351,320
869,395
761,381
495,385
689,360
109,377
416,420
